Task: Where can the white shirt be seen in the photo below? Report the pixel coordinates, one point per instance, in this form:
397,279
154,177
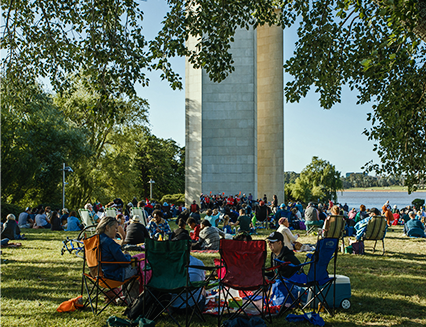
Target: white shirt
289,238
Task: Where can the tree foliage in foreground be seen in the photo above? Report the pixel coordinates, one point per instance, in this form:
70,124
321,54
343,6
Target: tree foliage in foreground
374,47
319,182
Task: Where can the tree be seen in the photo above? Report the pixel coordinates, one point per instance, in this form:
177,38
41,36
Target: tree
162,161
113,127
318,181
35,140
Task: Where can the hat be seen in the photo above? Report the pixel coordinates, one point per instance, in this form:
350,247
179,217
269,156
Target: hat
375,211
135,219
275,236
261,203
395,206
130,204
65,210
27,209
282,205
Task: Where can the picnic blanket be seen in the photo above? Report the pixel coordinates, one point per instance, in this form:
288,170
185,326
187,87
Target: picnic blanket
12,245
204,251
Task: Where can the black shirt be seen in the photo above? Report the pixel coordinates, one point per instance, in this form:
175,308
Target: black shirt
136,234
286,255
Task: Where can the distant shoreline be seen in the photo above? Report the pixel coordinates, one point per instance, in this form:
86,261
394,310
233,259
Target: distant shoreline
402,190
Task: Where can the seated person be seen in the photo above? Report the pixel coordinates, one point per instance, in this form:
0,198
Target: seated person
212,217
24,219
136,232
312,216
195,234
283,253
92,213
361,226
413,223
111,251
195,275
41,220
243,221
73,223
56,221
226,226
288,236
242,236
11,229
121,225
196,216
181,233
64,217
158,226
209,237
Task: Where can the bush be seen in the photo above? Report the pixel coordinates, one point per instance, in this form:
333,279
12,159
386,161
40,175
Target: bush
10,208
418,203
174,198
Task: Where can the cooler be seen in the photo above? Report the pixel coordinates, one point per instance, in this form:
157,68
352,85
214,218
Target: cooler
343,293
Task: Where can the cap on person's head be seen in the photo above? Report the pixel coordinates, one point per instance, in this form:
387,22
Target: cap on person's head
275,237
65,210
130,204
375,211
135,219
395,206
205,222
27,209
282,205
261,203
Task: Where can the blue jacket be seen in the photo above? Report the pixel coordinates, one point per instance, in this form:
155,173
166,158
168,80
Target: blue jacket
73,224
111,251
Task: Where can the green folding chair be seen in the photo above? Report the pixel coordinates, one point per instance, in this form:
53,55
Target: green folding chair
334,227
376,231
169,262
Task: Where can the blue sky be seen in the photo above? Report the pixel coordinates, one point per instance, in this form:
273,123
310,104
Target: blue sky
334,135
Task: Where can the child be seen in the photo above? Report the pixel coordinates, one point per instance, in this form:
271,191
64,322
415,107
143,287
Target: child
226,227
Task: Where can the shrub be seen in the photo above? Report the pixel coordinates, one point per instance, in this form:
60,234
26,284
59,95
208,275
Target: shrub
418,203
174,198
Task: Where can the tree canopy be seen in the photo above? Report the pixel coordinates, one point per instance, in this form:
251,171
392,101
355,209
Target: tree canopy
377,48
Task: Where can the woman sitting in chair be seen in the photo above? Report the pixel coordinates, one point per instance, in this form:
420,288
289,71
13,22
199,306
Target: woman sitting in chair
111,252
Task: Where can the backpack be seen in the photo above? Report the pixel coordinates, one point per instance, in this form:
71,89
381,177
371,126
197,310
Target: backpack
152,307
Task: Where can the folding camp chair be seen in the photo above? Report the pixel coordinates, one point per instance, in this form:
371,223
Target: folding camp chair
376,231
169,262
311,226
94,281
136,211
110,212
334,227
244,264
317,282
86,219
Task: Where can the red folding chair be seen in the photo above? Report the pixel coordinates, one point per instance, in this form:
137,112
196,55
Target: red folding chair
244,264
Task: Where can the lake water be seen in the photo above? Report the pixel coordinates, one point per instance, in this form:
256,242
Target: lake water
377,199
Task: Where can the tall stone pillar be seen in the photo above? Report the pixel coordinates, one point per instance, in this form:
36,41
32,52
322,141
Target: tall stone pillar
222,122
270,114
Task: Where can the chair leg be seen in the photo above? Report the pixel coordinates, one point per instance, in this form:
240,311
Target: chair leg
374,248
383,243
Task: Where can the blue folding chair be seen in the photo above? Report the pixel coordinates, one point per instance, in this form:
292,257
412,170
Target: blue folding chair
317,282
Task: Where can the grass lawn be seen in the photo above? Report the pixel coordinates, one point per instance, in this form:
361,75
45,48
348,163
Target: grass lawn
387,290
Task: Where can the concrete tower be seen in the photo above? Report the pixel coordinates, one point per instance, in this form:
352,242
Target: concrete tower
234,129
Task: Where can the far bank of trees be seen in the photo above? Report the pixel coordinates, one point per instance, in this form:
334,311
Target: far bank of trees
304,186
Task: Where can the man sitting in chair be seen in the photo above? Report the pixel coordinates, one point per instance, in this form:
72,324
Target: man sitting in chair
413,223
282,253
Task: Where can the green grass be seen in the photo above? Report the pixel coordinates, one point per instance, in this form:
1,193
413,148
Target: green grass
386,290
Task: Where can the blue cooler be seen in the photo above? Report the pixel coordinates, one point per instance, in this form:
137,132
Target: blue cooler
343,293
